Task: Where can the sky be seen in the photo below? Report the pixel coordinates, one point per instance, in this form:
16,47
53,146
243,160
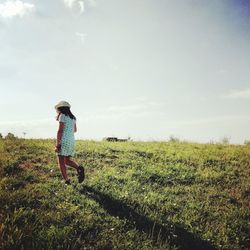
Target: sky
143,69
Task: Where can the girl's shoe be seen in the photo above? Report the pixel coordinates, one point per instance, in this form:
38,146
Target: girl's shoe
68,182
81,174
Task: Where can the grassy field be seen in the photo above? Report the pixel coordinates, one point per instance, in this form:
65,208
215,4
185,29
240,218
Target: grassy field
137,195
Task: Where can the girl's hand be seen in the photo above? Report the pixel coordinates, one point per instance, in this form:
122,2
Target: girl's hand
57,148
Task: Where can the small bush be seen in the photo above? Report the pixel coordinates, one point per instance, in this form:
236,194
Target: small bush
10,136
225,140
173,139
247,142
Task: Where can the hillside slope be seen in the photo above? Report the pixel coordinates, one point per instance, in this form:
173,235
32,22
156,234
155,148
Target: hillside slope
137,195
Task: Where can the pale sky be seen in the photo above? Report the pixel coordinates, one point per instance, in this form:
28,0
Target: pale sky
147,69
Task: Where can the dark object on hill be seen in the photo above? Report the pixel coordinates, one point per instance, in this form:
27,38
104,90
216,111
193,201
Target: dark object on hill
116,139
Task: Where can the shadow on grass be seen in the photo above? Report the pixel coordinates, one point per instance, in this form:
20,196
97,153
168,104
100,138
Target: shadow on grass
173,234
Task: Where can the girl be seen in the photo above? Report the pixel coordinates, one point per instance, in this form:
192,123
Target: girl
65,142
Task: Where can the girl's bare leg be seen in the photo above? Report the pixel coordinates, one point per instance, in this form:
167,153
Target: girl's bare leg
70,162
61,162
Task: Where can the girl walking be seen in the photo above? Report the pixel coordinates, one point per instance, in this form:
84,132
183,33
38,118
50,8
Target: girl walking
65,141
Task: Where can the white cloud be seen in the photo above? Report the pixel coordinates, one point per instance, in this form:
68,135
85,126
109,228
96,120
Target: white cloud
139,108
211,120
44,121
10,9
69,3
116,114
75,4
141,105
143,108
81,36
44,128
113,66
92,3
81,4
238,94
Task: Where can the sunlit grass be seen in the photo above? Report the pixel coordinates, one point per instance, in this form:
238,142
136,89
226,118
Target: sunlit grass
137,195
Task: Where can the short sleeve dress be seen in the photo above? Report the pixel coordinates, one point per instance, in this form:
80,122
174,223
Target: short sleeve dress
68,138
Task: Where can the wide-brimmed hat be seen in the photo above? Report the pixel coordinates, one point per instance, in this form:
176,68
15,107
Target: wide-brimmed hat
62,104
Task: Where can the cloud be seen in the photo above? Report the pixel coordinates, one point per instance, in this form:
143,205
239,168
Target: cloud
140,105
44,121
75,4
92,3
113,66
143,108
210,120
69,3
10,9
79,4
44,128
238,94
81,36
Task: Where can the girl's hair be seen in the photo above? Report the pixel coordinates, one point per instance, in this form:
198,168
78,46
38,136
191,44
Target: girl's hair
66,111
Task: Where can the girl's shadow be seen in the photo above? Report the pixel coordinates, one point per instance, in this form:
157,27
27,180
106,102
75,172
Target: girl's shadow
173,234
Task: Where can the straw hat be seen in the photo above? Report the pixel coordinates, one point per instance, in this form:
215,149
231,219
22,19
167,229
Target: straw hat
62,104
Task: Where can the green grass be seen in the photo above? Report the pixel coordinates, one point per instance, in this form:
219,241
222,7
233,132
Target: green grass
137,195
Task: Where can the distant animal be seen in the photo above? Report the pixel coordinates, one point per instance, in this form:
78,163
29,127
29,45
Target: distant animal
122,139
116,139
111,139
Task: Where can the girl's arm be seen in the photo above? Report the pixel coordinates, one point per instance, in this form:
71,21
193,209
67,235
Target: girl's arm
59,133
75,128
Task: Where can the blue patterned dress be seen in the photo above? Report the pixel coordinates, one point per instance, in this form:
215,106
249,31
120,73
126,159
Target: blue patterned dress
68,138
